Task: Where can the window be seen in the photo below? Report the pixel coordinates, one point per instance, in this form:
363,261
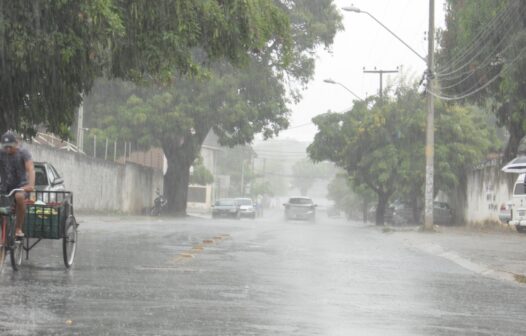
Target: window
519,189
225,202
40,176
300,201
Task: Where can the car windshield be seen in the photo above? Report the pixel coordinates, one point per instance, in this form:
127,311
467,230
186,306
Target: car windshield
244,201
225,202
40,176
519,189
300,201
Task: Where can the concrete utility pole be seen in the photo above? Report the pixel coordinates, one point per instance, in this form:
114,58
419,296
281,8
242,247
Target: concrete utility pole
381,73
242,178
80,128
430,130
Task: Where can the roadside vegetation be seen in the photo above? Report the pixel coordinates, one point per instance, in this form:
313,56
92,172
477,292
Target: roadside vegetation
480,109
179,69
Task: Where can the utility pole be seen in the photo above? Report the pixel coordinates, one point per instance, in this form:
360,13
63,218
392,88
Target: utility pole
430,131
381,73
80,128
242,177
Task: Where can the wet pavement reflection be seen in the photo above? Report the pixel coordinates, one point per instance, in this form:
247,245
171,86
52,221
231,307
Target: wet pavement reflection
197,276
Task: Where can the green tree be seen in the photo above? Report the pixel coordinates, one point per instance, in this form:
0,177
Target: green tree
200,174
382,147
235,102
51,51
230,162
482,52
305,173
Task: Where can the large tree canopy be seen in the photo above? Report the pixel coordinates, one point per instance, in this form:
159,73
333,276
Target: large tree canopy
234,101
305,173
382,146
51,51
482,60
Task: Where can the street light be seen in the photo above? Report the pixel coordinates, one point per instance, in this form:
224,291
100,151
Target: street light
354,9
330,81
430,133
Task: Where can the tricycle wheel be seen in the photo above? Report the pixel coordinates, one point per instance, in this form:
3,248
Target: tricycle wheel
69,241
16,254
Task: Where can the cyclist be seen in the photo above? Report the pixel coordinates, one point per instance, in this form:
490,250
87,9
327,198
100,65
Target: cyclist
19,172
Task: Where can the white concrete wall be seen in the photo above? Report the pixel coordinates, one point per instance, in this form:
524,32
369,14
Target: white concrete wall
102,186
487,189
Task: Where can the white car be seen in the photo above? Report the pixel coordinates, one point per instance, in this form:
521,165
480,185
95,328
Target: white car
47,178
518,213
49,185
300,208
246,207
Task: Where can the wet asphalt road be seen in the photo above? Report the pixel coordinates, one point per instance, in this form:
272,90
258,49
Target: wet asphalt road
144,276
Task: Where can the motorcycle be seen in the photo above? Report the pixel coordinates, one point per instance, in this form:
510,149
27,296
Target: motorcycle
158,204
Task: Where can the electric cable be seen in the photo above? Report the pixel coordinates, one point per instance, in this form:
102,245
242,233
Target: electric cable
479,37
510,28
474,91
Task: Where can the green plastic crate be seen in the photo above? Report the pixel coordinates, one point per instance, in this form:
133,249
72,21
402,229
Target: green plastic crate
44,221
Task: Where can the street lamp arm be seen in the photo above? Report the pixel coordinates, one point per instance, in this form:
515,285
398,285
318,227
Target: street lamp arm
330,81
392,33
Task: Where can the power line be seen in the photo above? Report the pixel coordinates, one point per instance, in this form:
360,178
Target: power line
298,126
476,90
490,58
478,40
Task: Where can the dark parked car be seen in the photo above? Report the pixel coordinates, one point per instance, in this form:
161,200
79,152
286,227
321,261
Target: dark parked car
300,208
442,213
226,207
402,214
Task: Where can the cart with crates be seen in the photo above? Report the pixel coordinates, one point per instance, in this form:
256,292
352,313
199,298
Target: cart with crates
50,215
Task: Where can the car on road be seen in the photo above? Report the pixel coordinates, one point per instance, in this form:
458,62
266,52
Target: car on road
300,208
226,208
246,207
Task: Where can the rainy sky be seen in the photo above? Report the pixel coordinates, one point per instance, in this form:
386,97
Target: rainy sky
364,43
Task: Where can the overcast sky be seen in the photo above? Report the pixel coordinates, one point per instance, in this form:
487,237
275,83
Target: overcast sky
364,43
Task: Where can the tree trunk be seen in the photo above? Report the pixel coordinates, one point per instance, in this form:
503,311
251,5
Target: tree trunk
177,177
176,183
181,153
516,135
381,207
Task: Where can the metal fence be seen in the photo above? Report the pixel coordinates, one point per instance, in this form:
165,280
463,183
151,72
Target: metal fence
106,149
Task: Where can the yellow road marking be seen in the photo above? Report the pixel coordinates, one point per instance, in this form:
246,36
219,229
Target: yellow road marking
198,248
186,255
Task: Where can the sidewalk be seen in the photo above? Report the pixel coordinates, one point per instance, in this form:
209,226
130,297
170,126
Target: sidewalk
498,255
